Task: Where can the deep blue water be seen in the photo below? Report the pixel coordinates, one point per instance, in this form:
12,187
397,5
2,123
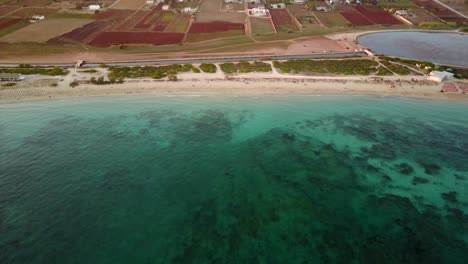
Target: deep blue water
442,48
320,179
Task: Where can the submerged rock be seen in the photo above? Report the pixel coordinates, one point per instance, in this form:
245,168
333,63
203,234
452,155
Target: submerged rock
419,180
450,197
430,168
404,168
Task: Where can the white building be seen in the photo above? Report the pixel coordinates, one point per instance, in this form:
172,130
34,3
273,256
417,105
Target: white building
438,76
94,7
234,1
402,13
298,1
165,7
189,10
38,17
259,10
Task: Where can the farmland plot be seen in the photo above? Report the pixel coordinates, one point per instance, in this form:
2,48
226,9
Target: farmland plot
128,4
31,11
107,39
282,20
378,16
179,24
8,9
209,11
332,19
214,30
85,33
8,22
261,25
43,31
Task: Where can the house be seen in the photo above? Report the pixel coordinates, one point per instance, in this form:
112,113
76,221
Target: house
402,13
150,2
234,1
38,17
321,8
255,1
165,7
94,7
298,1
440,76
259,10
278,6
189,10
11,77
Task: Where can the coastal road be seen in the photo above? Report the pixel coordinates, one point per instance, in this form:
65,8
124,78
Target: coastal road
205,60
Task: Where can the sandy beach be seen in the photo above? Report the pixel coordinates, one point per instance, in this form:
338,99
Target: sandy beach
249,84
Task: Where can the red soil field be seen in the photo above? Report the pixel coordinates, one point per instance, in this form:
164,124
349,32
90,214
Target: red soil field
129,23
148,20
356,19
160,27
112,14
215,27
378,17
86,32
7,9
440,11
107,39
7,22
281,18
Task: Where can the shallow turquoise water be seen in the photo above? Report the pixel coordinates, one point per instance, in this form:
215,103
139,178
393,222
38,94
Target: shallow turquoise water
322,179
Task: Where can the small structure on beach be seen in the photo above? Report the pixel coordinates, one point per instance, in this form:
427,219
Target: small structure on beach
11,77
440,76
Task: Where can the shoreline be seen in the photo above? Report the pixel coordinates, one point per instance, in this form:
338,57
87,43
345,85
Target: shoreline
252,84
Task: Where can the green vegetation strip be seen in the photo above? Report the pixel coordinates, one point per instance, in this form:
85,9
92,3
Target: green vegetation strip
245,67
155,72
398,69
28,70
346,67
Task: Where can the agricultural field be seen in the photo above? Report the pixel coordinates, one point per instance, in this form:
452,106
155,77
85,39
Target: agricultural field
419,15
209,11
31,11
378,16
128,4
331,19
440,11
30,2
4,10
8,25
83,34
282,20
43,31
214,30
261,25
363,16
305,17
180,23
107,39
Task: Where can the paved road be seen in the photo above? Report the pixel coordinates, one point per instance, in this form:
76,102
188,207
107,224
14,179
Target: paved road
208,60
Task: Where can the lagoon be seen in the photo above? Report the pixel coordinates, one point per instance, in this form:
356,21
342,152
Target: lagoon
442,48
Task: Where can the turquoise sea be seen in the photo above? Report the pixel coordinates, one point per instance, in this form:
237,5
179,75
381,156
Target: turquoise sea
316,179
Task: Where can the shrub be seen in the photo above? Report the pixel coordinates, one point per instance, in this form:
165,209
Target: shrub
208,67
74,84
